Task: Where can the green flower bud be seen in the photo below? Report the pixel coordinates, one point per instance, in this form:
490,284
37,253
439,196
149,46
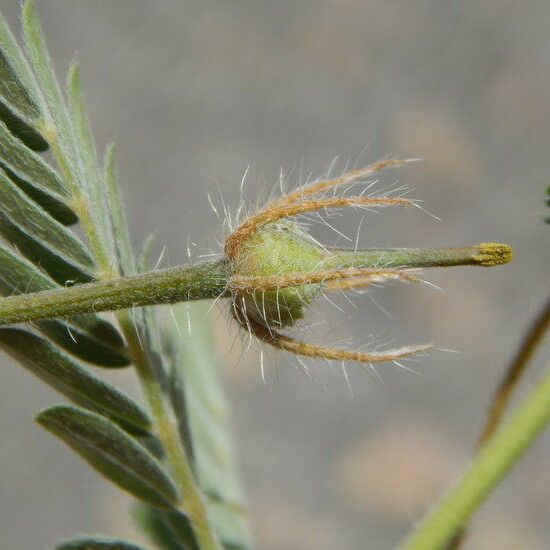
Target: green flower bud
279,248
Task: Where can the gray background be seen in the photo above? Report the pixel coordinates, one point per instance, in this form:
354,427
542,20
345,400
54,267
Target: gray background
196,91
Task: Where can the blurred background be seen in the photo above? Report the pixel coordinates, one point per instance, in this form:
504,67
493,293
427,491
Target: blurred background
196,92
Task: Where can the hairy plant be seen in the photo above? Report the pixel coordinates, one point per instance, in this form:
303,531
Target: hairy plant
174,453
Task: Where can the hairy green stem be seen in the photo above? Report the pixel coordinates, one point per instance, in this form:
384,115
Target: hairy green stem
494,461
515,371
194,282
167,431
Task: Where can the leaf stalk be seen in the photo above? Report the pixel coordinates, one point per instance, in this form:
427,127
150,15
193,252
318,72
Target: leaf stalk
494,461
166,429
193,282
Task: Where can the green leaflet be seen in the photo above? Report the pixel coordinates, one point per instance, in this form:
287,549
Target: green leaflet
231,521
40,225
97,543
167,530
42,239
126,260
16,79
57,268
56,124
68,377
83,344
171,530
30,166
86,151
112,452
179,524
205,411
21,276
50,202
13,93
21,130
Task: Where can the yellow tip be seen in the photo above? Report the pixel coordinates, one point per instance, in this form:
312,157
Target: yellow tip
493,254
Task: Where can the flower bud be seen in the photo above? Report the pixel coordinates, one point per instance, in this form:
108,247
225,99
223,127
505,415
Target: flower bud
279,248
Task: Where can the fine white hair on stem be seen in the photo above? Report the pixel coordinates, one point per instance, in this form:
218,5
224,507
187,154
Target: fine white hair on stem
376,374
346,378
68,327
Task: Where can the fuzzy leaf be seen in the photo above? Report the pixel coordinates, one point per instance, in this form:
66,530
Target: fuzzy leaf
180,525
12,92
231,522
82,343
171,530
30,166
42,239
112,452
167,530
95,542
121,232
57,124
60,270
50,202
86,151
32,219
20,129
17,83
65,375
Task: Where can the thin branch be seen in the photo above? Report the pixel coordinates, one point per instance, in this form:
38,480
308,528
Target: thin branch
166,428
515,371
492,464
176,284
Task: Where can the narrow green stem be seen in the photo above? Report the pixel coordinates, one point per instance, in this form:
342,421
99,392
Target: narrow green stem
495,459
167,431
483,254
193,282
515,371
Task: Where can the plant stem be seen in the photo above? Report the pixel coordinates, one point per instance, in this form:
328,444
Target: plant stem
515,370
166,429
193,282
500,453
508,384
